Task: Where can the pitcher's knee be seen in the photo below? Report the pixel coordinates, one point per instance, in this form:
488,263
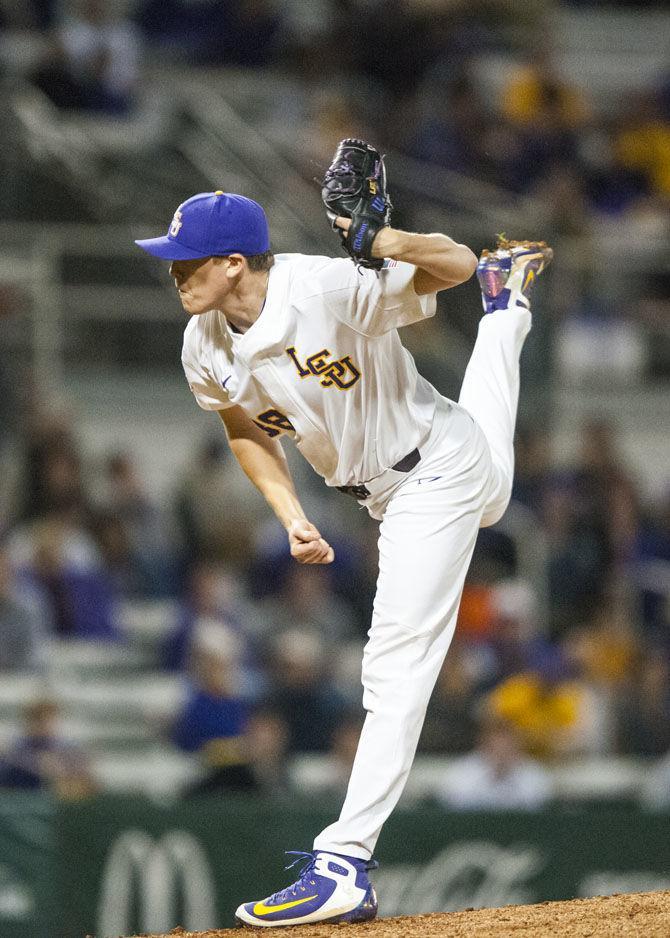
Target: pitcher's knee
406,717
406,701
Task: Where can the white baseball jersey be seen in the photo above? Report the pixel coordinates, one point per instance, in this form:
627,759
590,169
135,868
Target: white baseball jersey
323,364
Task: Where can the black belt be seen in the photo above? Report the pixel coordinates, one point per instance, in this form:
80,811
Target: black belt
406,464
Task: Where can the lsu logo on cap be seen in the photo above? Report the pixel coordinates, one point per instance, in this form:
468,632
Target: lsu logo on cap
176,224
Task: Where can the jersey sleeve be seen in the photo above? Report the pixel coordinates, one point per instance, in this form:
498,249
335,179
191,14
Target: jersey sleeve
374,302
194,358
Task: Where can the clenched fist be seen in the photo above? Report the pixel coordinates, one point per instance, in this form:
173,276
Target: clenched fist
307,545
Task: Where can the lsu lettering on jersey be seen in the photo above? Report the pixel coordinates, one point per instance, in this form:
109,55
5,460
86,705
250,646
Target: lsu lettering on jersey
323,364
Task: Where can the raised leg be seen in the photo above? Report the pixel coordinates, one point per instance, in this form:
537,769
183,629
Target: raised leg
490,393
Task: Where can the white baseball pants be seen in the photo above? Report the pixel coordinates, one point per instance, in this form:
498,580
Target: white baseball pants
429,527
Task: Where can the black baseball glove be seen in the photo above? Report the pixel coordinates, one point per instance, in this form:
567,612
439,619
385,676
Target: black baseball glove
355,187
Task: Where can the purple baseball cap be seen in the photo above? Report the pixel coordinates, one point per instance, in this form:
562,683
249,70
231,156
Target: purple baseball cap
212,224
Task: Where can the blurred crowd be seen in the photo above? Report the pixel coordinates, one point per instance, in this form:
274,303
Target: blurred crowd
270,651
402,70
480,88
540,672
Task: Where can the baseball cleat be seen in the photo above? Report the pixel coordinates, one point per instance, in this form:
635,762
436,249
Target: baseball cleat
507,274
331,888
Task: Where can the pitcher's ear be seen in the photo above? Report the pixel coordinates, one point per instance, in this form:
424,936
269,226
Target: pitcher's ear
236,264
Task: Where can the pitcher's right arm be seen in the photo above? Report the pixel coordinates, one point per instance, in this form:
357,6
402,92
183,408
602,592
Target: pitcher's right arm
263,461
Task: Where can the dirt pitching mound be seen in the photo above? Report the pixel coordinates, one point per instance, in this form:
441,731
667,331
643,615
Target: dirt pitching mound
643,915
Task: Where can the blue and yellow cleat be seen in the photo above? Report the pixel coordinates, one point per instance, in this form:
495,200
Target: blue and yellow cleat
506,275
331,888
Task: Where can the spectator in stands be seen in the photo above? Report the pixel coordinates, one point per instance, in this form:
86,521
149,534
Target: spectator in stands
605,488
104,52
56,558
307,601
338,600
578,557
450,133
601,653
266,747
214,717
44,759
131,532
546,113
537,96
301,691
613,186
125,497
94,60
213,596
52,477
132,575
547,707
591,516
23,633
262,766
213,480
643,142
517,642
496,776
606,647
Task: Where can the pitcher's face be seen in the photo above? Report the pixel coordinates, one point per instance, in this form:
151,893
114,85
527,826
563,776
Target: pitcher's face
202,284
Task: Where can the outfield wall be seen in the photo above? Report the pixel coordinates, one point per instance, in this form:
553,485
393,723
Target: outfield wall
117,866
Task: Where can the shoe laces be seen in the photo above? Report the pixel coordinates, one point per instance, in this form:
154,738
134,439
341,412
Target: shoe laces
306,863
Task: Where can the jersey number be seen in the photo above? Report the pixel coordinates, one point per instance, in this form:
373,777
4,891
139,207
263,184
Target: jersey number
273,422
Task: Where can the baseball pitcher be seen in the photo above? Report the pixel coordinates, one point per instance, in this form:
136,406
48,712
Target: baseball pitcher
308,348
